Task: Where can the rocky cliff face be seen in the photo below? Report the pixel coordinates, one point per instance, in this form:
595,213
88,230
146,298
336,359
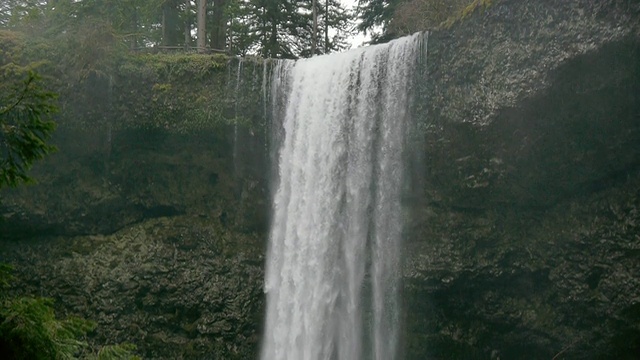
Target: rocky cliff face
524,242
523,235
160,241
177,287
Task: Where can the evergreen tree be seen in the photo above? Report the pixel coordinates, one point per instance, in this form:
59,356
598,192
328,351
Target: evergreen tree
388,19
284,28
335,26
375,16
26,109
219,23
269,28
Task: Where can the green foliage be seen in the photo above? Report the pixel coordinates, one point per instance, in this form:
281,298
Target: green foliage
63,17
5,277
176,92
417,15
466,11
26,124
398,18
30,330
115,352
15,12
177,66
376,14
274,28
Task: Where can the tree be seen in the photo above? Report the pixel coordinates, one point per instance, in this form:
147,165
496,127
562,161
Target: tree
388,19
277,26
314,33
337,22
202,21
26,123
219,25
285,28
269,28
171,23
187,24
375,16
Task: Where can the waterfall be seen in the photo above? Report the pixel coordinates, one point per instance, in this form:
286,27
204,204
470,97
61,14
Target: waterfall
235,121
337,216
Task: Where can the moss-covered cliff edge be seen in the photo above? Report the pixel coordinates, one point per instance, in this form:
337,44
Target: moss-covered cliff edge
523,236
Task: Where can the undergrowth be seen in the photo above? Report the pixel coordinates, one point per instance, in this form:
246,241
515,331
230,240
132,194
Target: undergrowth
30,330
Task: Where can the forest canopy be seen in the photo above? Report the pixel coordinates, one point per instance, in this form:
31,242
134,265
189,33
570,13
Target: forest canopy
266,28
135,59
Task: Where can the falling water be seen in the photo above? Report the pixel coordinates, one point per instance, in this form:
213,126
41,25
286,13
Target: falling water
235,122
280,89
265,118
337,214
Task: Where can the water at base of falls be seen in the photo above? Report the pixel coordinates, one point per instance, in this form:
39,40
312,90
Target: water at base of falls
332,264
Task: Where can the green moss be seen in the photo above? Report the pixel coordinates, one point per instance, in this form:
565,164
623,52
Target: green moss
466,12
161,87
178,65
182,93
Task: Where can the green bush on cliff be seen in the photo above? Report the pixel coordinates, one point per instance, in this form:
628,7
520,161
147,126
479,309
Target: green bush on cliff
30,330
26,124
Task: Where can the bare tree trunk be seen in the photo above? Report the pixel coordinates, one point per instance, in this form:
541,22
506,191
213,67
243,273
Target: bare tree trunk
164,41
219,26
202,21
230,44
170,23
326,26
273,41
187,24
314,36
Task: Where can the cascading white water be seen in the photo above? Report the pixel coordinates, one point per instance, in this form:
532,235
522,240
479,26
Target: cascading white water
235,122
337,216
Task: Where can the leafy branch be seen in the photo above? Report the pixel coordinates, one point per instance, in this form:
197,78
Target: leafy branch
26,124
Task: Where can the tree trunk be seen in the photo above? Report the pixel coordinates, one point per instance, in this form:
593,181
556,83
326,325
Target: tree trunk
218,28
326,26
273,41
202,21
170,24
187,24
164,40
314,35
